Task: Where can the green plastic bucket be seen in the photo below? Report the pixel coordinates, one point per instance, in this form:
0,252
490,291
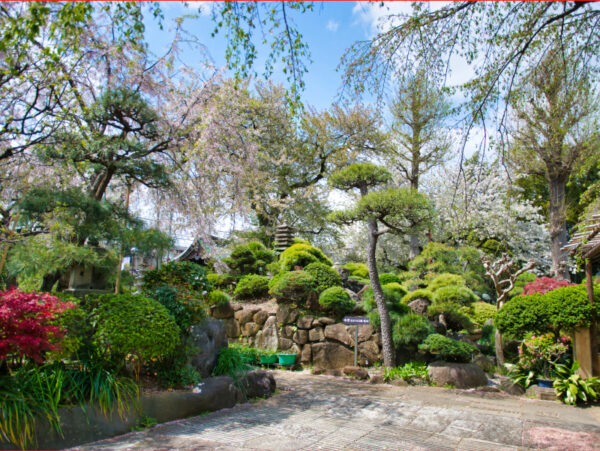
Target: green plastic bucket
287,359
268,359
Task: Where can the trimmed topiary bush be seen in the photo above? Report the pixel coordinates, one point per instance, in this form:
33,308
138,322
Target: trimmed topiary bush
388,277
522,315
448,349
251,258
301,254
411,329
338,300
325,276
417,294
570,308
398,290
454,293
359,270
218,298
455,319
220,280
252,286
133,327
405,276
444,280
293,286
480,312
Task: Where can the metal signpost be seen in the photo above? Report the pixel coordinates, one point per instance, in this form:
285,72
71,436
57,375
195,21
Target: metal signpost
356,321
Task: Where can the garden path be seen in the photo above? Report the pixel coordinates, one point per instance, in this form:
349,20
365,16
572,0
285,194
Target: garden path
323,412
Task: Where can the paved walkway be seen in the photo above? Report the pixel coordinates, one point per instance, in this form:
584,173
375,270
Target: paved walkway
320,412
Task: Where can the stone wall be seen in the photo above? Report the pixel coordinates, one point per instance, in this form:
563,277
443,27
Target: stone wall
316,340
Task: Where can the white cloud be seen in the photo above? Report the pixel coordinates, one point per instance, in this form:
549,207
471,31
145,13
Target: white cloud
332,25
203,8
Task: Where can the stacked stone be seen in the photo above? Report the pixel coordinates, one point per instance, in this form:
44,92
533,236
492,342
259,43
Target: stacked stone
317,340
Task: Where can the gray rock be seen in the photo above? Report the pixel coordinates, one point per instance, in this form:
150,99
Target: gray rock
460,375
249,329
339,333
258,384
244,316
376,379
419,306
285,344
269,338
306,354
282,314
364,333
331,355
293,316
510,387
485,363
399,382
352,294
368,353
222,311
209,337
260,317
287,331
232,328
300,336
236,306
305,322
324,321
356,371
316,334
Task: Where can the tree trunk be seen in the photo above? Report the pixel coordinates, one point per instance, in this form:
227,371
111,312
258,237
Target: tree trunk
414,184
386,323
558,227
499,350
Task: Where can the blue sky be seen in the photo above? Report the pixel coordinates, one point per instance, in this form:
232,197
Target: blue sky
329,30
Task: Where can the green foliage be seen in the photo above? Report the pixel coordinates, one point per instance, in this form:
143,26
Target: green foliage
293,287
479,312
393,301
252,286
132,326
454,293
562,309
185,311
338,300
387,277
357,269
411,329
325,276
409,372
487,342
251,258
222,281
444,280
405,276
572,389
448,349
37,392
394,287
301,254
360,176
539,353
218,298
144,422
418,294
463,261
185,275
231,363
455,318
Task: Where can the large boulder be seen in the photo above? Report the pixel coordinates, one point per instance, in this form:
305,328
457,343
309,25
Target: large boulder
364,332
368,353
222,311
316,334
300,337
331,355
306,354
485,363
419,306
244,316
508,386
285,344
269,338
260,317
232,328
305,322
286,314
287,331
209,337
356,371
258,384
339,333
250,329
323,321
459,375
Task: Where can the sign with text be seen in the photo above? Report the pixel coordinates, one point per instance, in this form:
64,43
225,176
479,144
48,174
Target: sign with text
350,320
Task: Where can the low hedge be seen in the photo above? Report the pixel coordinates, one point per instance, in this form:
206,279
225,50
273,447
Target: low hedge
448,349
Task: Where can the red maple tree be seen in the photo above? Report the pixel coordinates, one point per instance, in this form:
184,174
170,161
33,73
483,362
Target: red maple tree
542,285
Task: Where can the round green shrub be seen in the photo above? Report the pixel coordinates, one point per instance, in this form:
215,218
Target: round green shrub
185,307
417,294
359,270
398,290
388,277
293,286
220,280
570,308
455,318
411,329
251,258
444,280
338,300
301,254
218,298
480,312
252,286
275,279
522,315
185,275
405,276
133,325
453,293
448,349
325,276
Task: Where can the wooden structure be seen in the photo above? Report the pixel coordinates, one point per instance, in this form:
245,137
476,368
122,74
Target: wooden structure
284,235
587,245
